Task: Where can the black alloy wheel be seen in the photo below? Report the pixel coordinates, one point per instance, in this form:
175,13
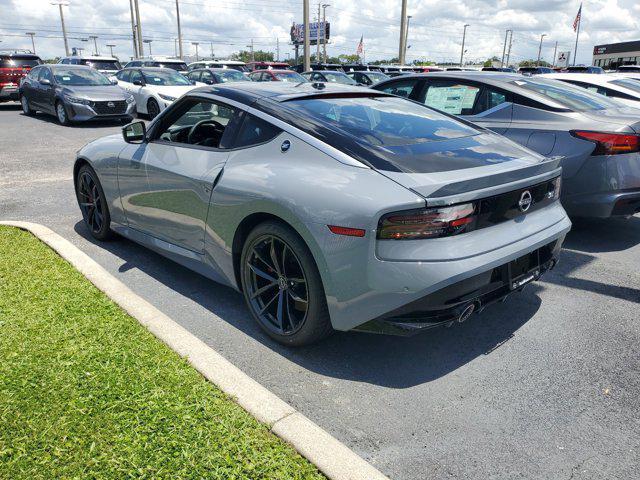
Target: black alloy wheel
282,286
153,109
93,204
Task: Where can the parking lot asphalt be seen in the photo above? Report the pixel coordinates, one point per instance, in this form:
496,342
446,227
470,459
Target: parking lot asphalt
544,386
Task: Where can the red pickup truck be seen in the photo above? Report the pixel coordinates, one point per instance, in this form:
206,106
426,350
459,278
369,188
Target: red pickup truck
13,68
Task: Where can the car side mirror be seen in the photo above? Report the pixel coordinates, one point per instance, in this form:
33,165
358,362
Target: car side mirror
134,132
45,81
113,80
140,83
209,82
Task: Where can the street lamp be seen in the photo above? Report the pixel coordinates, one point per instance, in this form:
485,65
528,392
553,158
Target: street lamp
33,44
540,47
324,30
464,35
196,45
148,42
60,4
406,38
111,45
95,43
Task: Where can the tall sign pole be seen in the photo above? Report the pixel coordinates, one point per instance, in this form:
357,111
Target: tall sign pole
307,53
179,30
133,31
403,36
138,28
464,36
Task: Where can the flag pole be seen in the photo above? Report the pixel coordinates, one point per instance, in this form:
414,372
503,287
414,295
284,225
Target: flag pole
575,51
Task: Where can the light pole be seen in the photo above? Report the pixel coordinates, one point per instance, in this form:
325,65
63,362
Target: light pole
139,28
464,36
95,43
540,47
33,43
403,29
196,44
504,48
148,42
509,50
133,30
406,37
60,4
111,45
307,52
318,35
324,30
211,45
555,52
179,30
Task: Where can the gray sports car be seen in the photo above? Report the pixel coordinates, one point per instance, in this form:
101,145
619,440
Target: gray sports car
329,207
597,138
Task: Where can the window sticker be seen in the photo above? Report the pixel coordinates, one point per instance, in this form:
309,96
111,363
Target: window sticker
451,99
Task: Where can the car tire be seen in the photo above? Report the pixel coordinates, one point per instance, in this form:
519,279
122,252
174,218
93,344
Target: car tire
93,204
61,114
26,108
285,297
153,109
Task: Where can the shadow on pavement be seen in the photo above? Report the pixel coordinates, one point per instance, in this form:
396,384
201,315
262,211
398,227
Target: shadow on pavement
603,235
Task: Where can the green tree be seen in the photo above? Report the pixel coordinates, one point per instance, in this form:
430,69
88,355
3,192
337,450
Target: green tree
353,58
489,61
258,55
534,63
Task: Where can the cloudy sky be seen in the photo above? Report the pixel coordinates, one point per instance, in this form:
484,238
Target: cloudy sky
229,25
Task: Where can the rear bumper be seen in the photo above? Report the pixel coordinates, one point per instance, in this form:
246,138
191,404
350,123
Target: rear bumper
604,205
9,93
459,301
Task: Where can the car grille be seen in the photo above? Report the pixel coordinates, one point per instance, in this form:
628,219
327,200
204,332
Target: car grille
504,207
112,107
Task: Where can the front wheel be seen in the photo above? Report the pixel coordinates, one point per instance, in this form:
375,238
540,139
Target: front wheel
26,109
61,114
282,286
93,203
153,109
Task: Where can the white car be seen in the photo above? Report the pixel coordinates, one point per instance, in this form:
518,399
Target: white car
233,64
104,64
159,61
622,87
154,89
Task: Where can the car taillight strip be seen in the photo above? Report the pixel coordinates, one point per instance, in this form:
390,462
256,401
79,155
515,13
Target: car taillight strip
608,143
347,231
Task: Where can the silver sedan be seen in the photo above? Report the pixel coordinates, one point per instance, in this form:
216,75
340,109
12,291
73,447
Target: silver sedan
329,207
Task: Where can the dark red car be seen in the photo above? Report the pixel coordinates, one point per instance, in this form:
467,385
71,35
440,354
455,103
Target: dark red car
276,76
14,66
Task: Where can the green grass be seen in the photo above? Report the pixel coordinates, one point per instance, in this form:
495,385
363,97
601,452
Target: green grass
86,392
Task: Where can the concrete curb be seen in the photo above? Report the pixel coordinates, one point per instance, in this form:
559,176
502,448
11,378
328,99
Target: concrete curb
333,458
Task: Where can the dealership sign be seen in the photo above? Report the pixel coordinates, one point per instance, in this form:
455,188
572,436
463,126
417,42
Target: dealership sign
297,32
563,59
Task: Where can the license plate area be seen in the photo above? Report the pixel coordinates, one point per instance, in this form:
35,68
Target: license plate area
524,270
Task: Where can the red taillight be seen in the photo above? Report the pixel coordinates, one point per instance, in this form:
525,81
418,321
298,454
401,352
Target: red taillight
348,231
610,143
426,223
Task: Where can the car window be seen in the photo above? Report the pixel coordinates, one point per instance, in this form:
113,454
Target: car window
165,78
292,77
571,96
123,75
33,74
65,61
136,76
45,74
254,131
402,88
74,76
230,75
630,83
197,122
488,99
195,76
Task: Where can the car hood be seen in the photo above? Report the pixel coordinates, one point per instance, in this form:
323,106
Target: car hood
623,116
473,167
97,93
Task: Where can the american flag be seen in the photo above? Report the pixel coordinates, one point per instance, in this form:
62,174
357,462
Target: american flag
576,22
360,48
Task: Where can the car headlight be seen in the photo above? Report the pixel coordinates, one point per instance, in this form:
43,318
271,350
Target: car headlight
168,98
81,101
130,99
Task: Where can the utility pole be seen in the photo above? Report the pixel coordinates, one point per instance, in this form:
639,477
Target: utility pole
318,35
509,50
403,28
277,49
148,42
196,44
464,36
324,30
179,30
95,43
307,52
33,43
540,47
504,47
555,52
406,37
175,47
111,45
60,4
133,31
139,28
211,45
253,56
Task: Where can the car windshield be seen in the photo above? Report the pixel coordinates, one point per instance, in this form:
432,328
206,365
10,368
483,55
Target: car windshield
80,77
575,98
19,62
231,76
165,78
290,77
377,76
338,77
177,66
382,121
103,64
630,83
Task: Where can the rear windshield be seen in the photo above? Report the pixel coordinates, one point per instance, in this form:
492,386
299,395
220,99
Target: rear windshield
290,77
576,98
102,64
19,62
377,76
338,77
230,75
79,76
178,67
